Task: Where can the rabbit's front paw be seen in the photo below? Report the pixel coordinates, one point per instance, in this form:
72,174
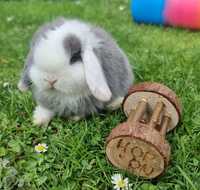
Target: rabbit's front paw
42,116
22,86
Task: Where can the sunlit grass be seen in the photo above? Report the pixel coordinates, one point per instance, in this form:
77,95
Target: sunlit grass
75,158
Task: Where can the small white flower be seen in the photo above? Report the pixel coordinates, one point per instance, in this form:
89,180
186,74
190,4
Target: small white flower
41,147
10,18
6,84
120,183
121,7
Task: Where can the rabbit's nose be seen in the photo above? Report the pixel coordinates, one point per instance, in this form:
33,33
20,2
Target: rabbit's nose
51,82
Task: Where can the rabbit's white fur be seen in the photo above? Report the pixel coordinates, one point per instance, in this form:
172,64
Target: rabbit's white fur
49,55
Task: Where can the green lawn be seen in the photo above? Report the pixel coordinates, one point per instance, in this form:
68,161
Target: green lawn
76,155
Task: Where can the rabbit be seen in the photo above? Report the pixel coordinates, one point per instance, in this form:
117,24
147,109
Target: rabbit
74,69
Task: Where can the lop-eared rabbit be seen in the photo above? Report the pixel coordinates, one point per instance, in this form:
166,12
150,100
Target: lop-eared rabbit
74,69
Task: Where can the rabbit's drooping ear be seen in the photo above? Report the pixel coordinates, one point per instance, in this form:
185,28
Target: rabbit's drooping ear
95,76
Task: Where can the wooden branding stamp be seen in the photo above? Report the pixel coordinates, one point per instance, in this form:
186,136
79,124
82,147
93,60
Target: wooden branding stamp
138,145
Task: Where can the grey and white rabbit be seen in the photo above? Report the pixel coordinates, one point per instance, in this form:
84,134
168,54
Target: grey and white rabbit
74,69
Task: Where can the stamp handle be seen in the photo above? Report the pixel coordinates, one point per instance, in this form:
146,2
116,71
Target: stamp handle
137,114
156,114
165,124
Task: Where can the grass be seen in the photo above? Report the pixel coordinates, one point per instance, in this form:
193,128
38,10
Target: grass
76,155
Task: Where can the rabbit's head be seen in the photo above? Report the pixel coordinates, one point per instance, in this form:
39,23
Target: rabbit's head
64,61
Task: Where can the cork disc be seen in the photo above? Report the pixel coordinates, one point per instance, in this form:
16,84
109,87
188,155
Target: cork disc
139,149
154,92
135,156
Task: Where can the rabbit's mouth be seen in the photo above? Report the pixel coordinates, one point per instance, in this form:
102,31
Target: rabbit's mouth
52,88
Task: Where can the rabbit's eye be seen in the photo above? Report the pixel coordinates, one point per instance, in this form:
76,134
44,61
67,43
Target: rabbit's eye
76,57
